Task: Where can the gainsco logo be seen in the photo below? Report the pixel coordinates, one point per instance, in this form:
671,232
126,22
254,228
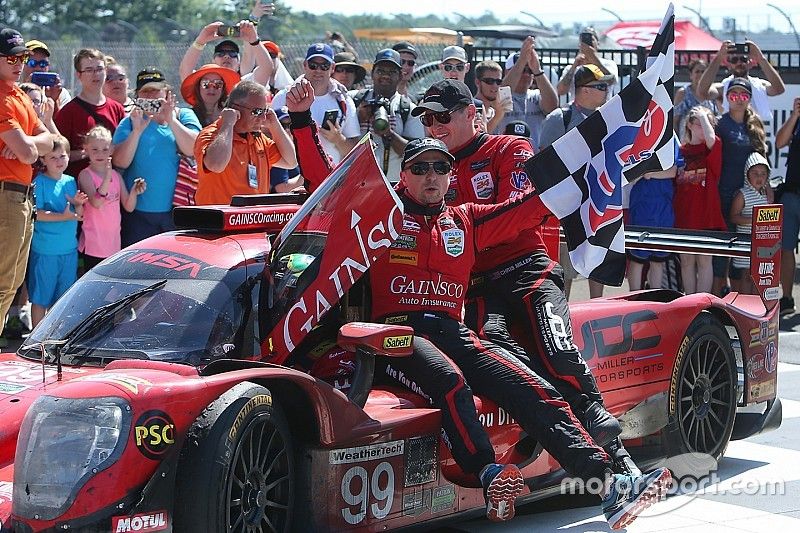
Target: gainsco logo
157,521
154,433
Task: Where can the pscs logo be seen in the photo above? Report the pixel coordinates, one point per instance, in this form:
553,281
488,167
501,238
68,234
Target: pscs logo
154,433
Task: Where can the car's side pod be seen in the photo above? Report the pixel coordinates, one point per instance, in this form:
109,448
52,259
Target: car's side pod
368,340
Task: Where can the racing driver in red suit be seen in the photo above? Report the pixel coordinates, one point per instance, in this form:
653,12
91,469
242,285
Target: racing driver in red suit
516,283
421,282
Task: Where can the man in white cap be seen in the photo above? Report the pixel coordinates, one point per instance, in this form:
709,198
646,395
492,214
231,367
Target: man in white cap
454,65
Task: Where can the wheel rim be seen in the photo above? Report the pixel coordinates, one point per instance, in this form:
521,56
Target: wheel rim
705,393
260,485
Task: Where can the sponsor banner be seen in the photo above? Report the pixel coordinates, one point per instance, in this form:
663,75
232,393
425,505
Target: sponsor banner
372,452
765,266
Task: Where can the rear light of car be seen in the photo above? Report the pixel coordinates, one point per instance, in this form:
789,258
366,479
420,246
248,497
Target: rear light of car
62,443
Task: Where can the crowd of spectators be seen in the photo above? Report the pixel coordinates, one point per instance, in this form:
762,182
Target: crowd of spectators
131,155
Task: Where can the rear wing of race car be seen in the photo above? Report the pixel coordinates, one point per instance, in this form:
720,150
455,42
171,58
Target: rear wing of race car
762,246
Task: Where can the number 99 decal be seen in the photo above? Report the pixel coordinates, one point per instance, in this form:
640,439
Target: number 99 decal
364,492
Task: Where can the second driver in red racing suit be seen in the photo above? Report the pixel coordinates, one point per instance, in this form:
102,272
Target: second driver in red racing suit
516,283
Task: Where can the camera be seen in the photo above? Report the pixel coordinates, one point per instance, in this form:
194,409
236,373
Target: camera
150,106
380,113
229,31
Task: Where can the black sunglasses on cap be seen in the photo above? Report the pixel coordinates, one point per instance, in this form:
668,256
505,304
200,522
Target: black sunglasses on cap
423,167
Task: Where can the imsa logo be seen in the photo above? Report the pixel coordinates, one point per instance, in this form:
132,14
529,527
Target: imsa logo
402,341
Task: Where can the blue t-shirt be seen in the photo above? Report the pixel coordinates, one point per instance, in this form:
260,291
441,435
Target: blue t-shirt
156,160
736,148
51,237
281,175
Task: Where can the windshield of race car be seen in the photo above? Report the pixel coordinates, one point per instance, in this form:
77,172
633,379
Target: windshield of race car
190,321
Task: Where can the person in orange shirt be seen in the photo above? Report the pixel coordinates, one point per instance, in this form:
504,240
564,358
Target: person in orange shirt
233,155
23,138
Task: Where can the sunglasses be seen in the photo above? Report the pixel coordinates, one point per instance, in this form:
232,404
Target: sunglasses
442,117
230,53
213,84
116,77
423,167
255,111
491,81
599,86
13,60
738,97
313,65
41,63
737,59
409,62
450,68
345,70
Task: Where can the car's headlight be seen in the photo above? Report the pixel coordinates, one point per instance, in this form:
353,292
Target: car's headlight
62,443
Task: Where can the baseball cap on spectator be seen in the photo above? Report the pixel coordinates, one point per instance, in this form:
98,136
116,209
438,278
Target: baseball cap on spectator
586,74
454,52
34,45
229,77
742,83
349,59
226,46
404,46
511,60
11,42
151,78
282,113
273,49
417,147
517,127
388,55
320,50
444,95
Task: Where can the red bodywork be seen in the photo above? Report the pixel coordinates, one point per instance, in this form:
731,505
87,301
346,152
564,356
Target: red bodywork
383,466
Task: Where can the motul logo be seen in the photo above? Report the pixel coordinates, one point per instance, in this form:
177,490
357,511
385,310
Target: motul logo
144,522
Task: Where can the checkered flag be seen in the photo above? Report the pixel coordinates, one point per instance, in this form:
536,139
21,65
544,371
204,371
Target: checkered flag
581,175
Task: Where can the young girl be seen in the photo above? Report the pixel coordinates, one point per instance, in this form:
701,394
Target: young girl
102,220
696,201
756,191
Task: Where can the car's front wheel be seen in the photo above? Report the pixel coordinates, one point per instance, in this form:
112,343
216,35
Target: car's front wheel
237,469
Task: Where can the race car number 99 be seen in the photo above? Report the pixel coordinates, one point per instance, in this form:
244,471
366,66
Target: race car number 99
359,489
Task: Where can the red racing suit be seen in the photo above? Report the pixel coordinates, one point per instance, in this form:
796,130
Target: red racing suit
421,281
516,283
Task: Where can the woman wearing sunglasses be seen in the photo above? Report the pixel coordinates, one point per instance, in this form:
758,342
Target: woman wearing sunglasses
742,132
206,90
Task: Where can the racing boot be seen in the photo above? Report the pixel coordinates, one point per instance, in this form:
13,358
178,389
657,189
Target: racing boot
501,486
627,496
623,463
600,424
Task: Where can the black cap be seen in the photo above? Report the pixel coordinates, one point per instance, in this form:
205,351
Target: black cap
415,147
743,83
226,45
518,127
387,55
150,75
11,42
404,46
444,95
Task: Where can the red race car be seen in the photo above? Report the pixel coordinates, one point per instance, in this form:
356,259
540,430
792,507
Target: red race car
217,379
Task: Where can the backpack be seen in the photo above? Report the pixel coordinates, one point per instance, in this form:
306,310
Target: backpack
566,115
404,109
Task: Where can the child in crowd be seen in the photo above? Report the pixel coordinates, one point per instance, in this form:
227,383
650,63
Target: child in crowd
756,191
102,220
53,263
696,202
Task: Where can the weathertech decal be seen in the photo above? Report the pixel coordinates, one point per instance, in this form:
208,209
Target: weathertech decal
142,522
367,453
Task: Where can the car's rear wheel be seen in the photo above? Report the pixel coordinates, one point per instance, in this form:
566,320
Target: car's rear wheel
237,469
702,403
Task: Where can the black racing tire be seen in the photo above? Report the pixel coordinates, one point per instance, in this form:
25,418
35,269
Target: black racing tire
702,397
237,468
